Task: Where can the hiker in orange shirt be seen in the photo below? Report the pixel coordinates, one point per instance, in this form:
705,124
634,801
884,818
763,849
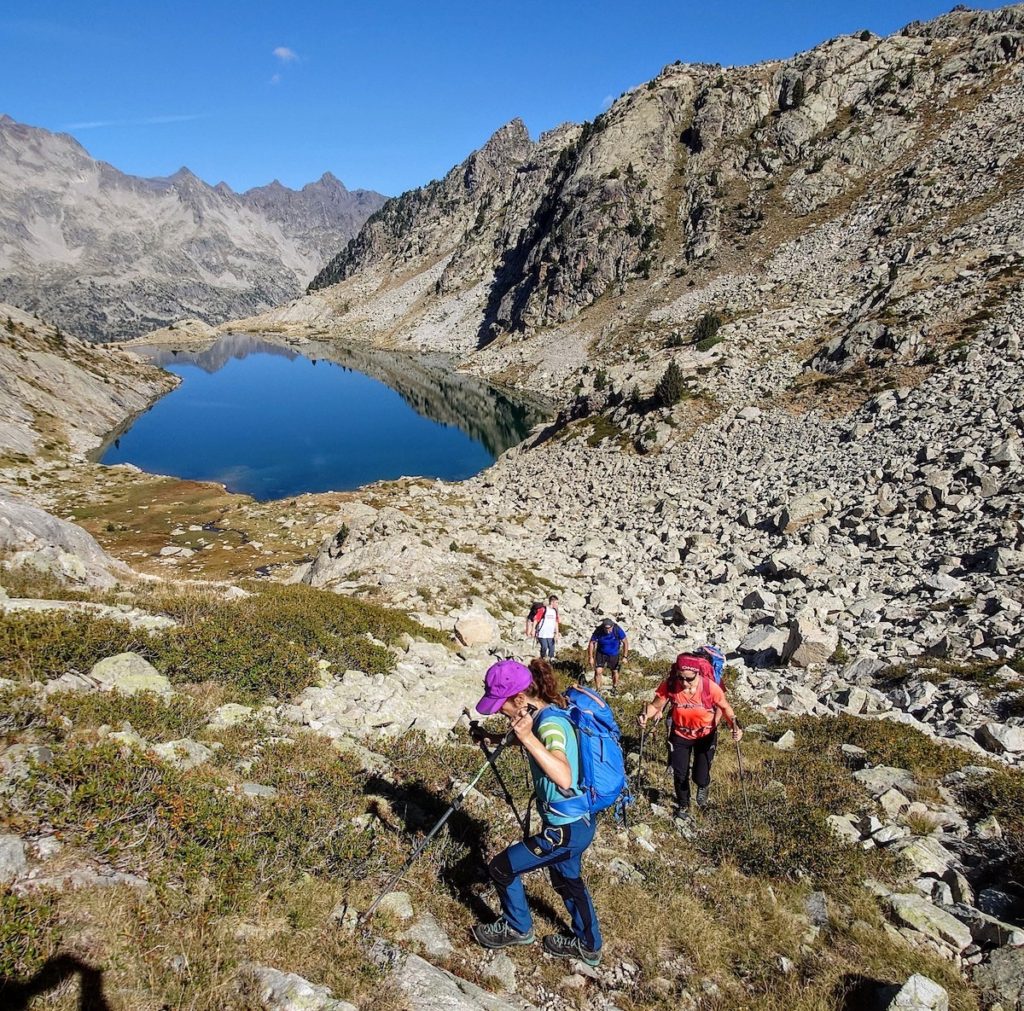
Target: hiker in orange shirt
697,707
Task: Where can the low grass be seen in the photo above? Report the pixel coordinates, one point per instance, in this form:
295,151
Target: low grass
233,881
886,743
29,934
265,644
980,673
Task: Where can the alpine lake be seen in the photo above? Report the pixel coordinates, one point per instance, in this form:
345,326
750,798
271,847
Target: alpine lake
272,420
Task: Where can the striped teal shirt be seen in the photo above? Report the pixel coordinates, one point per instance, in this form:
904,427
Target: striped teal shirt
556,733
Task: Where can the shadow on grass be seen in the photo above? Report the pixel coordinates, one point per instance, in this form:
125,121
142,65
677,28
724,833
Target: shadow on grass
16,995
420,808
855,992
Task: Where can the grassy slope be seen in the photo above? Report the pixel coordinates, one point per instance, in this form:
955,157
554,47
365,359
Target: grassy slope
234,880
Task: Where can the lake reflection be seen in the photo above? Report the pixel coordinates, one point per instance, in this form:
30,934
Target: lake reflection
271,421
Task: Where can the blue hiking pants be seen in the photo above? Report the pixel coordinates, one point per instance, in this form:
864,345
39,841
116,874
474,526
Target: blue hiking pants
547,648
559,848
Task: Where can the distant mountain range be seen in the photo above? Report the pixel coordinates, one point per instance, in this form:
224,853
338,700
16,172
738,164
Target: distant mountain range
108,255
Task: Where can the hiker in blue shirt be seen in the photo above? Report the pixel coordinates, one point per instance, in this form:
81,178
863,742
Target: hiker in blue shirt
531,701
608,649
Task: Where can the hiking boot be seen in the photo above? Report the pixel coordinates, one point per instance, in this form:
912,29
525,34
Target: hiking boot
702,796
568,946
683,821
499,935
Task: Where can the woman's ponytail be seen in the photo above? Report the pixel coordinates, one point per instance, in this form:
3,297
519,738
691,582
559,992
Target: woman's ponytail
545,683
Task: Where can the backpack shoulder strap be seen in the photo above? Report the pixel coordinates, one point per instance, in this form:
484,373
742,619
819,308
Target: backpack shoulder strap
706,699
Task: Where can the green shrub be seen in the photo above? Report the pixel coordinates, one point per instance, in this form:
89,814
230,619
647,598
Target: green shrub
886,742
28,934
43,645
670,388
787,839
155,718
264,644
132,809
707,327
600,380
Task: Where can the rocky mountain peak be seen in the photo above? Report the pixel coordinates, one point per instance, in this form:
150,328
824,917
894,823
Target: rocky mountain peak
108,255
702,171
508,141
328,181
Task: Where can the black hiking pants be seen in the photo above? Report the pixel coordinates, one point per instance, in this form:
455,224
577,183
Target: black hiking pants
681,752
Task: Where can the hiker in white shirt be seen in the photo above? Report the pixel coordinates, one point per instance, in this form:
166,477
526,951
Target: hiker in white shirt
546,629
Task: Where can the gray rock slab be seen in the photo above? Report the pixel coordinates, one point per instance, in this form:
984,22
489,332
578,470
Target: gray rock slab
183,754
884,777
12,858
285,991
428,988
919,914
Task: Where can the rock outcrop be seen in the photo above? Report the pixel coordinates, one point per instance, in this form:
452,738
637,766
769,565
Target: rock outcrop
30,536
859,215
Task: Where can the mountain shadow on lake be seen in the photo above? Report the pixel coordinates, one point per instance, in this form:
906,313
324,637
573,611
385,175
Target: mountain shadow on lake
272,421
427,383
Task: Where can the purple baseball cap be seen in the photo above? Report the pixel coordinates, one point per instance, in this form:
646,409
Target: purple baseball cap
503,680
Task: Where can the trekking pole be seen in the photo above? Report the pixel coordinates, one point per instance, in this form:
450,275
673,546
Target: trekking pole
640,763
522,821
425,841
743,784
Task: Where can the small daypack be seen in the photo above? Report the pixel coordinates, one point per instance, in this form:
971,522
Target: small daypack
602,778
716,658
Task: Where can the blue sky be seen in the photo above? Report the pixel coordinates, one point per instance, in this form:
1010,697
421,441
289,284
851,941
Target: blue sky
386,95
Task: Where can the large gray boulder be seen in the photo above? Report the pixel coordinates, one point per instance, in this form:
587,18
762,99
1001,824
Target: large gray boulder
810,642
477,628
1000,739
32,536
804,509
129,674
428,988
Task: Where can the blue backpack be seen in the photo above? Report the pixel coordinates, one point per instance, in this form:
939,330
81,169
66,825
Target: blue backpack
716,658
602,779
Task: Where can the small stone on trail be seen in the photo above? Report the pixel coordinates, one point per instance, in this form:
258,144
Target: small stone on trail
920,993
398,905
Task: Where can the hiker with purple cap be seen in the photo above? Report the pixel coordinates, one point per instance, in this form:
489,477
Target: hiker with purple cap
535,708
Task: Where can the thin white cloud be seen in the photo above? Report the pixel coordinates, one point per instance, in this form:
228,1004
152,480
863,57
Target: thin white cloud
93,124
285,55
275,79
607,102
